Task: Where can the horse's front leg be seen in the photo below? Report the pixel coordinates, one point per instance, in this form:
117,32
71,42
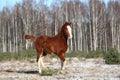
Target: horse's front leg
63,62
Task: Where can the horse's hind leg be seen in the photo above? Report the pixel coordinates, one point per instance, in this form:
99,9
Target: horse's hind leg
39,53
39,59
39,65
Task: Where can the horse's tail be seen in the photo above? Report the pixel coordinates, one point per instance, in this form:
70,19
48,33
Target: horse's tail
31,37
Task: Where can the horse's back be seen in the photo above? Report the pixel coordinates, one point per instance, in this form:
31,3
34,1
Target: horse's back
40,41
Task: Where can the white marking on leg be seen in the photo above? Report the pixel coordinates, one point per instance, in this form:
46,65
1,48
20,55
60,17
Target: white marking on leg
39,65
41,60
63,65
70,31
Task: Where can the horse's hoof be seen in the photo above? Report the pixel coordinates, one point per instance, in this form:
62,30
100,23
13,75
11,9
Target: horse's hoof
39,71
62,72
44,68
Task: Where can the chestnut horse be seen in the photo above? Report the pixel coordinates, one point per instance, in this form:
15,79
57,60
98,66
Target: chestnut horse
56,44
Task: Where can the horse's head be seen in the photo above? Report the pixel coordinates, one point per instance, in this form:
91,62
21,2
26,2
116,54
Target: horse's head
67,29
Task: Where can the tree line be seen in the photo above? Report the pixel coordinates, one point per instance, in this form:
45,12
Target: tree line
95,24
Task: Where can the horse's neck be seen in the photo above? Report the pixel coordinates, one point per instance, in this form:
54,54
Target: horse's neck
61,36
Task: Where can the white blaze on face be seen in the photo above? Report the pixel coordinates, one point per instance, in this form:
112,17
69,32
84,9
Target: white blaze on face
70,31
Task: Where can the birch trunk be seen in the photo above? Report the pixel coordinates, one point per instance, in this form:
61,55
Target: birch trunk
94,26
4,40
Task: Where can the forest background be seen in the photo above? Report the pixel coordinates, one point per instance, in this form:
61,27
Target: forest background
95,23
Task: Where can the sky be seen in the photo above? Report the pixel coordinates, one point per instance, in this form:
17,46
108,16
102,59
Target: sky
11,3
8,3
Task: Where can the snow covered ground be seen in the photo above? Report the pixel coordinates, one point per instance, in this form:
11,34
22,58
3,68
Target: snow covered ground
76,69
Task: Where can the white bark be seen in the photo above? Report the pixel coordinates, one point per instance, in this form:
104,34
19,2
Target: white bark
4,40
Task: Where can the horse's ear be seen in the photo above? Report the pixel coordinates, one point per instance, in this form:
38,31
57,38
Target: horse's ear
68,23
